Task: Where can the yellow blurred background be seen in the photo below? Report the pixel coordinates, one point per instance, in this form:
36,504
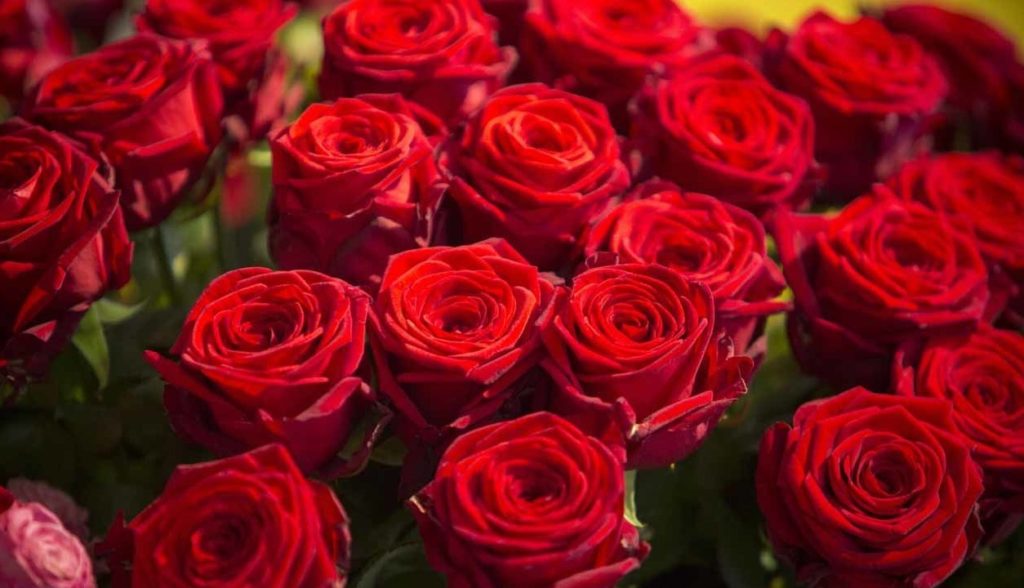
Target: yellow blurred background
1006,15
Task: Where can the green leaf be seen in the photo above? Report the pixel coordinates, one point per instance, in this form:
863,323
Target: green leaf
390,452
91,342
392,568
112,312
630,507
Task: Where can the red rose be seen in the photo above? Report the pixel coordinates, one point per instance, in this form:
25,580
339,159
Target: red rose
606,49
880,273
1011,117
982,374
33,40
441,54
872,93
509,14
62,244
636,345
268,357
531,502
150,105
248,520
533,166
703,239
720,128
456,331
985,191
354,182
870,490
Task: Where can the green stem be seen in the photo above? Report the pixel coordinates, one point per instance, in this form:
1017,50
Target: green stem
219,237
163,264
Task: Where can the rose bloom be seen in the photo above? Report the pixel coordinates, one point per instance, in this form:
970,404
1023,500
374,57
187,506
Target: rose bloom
34,39
74,518
982,375
267,357
870,490
703,239
441,54
354,182
635,347
457,329
531,502
151,106
873,95
248,520
63,244
534,165
879,274
36,551
606,49
718,127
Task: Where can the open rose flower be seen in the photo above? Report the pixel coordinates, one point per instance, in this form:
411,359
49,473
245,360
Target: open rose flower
63,244
248,520
36,551
873,94
704,239
531,502
870,490
982,374
151,106
720,128
606,49
457,329
74,518
354,182
269,356
635,346
533,166
441,54
877,275
34,39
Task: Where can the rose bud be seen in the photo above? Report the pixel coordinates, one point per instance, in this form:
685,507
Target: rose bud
873,95
635,345
33,40
879,274
36,551
456,331
440,54
984,191
870,490
151,106
534,166
718,127
74,518
974,57
528,502
63,244
268,357
605,50
248,520
982,375
354,182
239,35
704,240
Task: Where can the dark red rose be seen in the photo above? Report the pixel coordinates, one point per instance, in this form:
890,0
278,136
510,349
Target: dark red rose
90,16
741,43
878,274
982,374
870,490
6,499
151,106
33,40
509,14
531,502
704,240
354,182
636,345
985,191
533,166
720,128
248,520
62,244
1011,116
606,49
873,94
268,357
441,54
456,331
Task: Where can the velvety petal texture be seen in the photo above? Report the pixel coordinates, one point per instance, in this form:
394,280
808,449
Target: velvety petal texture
36,551
268,357
870,489
531,502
